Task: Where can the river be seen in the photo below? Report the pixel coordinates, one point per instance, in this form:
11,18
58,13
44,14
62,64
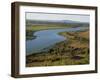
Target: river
47,38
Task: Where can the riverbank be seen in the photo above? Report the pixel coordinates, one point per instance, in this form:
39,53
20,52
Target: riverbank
30,30
73,51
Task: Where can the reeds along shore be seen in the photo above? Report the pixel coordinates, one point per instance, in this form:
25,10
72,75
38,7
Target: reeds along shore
73,51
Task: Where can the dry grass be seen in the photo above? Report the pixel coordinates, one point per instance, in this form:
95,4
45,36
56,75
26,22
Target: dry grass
75,51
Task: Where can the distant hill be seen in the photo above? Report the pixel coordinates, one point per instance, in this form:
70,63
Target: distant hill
40,22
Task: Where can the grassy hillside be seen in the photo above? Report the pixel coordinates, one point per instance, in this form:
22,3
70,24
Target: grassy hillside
73,51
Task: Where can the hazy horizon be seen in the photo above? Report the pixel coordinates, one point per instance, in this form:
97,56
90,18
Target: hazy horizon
58,16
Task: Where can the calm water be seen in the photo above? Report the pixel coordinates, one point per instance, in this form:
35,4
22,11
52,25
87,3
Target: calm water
46,39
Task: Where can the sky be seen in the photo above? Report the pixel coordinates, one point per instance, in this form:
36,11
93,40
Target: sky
58,16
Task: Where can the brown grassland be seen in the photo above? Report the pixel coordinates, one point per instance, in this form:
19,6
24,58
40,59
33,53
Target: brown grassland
73,51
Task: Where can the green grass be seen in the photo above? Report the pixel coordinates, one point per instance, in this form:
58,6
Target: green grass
49,26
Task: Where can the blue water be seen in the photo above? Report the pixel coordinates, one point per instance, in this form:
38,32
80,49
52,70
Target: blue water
47,38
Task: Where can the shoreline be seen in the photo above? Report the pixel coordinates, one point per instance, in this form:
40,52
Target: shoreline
31,36
73,52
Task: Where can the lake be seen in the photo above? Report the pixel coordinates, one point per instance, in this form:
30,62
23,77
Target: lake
45,39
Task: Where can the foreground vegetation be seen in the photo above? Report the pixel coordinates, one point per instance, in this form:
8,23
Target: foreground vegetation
73,51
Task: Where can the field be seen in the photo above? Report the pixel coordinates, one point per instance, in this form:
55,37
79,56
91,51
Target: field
73,51
50,26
